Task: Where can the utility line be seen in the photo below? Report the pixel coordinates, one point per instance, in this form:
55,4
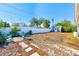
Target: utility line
11,13
24,16
21,10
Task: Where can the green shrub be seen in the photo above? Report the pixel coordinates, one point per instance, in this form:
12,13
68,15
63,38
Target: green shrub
15,31
67,26
2,38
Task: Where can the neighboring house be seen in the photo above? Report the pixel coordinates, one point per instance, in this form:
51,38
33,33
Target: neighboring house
77,16
56,28
19,24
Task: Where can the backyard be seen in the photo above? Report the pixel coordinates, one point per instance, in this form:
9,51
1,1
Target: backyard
29,32
54,43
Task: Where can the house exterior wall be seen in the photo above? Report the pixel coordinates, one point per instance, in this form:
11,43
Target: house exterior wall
77,16
77,13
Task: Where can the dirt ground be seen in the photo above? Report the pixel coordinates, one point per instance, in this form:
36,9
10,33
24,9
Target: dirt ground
47,40
54,43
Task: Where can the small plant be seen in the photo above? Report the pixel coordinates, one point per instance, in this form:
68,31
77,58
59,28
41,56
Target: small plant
15,31
2,38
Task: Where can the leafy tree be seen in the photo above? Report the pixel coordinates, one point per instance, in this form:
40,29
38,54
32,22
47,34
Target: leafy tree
6,24
15,25
34,22
59,24
3,24
66,25
37,22
46,23
40,21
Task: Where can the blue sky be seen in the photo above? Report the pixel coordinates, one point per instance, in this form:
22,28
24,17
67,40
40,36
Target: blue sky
23,12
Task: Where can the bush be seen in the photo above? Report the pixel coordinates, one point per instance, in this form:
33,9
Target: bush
2,38
67,26
70,28
14,32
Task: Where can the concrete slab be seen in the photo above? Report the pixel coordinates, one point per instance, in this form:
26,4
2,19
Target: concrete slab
34,45
17,39
23,45
35,54
28,49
